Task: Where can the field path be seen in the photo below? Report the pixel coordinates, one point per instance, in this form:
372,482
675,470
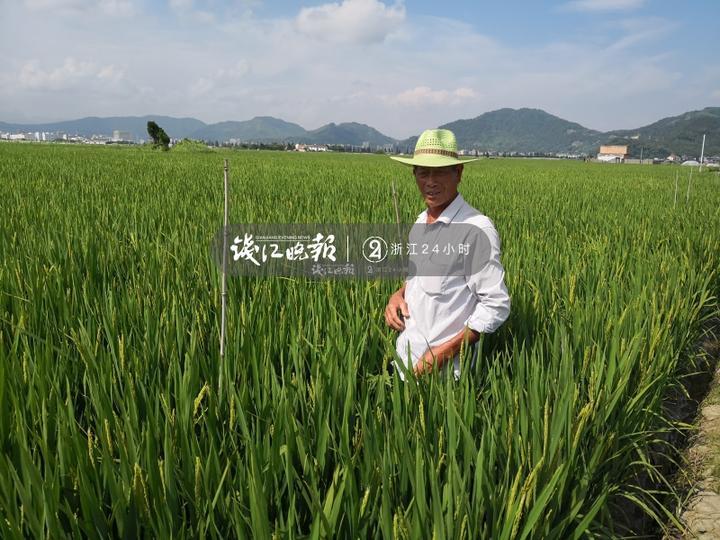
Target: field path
702,513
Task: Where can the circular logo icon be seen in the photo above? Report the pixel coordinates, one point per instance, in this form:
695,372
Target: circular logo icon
374,249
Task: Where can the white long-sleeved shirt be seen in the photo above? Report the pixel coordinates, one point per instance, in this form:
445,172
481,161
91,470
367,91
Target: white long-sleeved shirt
441,306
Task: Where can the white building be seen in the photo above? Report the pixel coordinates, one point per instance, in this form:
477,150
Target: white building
613,153
119,136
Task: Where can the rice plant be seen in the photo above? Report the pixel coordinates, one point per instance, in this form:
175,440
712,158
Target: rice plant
120,419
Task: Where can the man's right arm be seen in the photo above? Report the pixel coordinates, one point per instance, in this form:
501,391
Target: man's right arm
486,282
397,310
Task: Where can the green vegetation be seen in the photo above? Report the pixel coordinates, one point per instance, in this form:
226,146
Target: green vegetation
534,130
258,129
504,130
187,145
159,138
680,134
524,130
266,129
350,133
120,419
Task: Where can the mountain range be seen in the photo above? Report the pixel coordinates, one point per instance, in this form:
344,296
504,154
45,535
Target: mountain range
503,130
93,125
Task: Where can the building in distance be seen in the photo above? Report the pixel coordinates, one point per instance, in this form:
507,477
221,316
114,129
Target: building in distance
122,136
617,153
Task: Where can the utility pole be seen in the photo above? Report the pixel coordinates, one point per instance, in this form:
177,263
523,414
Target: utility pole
223,294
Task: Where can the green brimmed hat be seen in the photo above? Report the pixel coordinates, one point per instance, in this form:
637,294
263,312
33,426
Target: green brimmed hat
434,148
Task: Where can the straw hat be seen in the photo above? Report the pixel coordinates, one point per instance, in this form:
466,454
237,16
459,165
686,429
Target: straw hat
434,148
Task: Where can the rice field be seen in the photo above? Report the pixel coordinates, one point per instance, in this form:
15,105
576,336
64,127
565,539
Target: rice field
119,418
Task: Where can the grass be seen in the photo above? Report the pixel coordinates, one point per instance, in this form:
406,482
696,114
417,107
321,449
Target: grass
122,420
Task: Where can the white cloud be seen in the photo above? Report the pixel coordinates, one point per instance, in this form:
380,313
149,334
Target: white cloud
640,30
121,8
424,95
234,72
56,4
352,21
603,5
421,71
72,73
463,93
181,5
110,73
223,78
186,9
201,87
211,11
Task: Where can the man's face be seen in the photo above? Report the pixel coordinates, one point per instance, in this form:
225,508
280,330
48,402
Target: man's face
438,185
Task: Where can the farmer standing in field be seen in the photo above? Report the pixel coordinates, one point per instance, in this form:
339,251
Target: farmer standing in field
436,314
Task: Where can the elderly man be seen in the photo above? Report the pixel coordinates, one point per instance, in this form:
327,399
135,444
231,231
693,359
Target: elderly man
439,316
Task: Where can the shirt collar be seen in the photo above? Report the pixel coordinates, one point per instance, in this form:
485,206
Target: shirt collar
447,215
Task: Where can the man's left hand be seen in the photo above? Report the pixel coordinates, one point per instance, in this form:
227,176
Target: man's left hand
440,354
427,361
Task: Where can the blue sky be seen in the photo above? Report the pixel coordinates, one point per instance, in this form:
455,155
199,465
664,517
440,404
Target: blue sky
398,66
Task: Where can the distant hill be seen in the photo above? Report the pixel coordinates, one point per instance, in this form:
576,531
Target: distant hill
348,133
534,130
523,130
93,125
269,129
259,129
504,130
679,134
